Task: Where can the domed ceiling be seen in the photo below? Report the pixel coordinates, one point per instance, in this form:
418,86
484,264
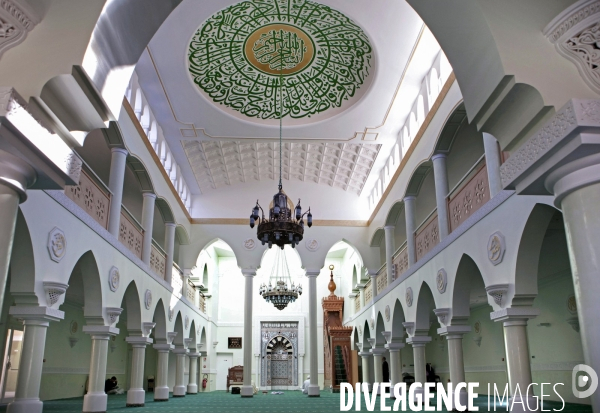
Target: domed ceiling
219,74
261,57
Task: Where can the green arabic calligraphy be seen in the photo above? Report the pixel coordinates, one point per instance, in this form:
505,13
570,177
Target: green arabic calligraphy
320,71
279,49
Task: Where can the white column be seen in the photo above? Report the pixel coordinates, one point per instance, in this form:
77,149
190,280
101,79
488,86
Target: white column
411,226
115,184
441,192
163,347
313,388
366,358
377,353
389,251
300,370
373,276
15,176
95,399
180,389
169,249
136,396
492,162
247,390
147,224
418,344
257,370
394,345
518,362
454,336
192,387
35,326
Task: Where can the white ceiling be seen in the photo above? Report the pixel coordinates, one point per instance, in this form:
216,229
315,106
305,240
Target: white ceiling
216,149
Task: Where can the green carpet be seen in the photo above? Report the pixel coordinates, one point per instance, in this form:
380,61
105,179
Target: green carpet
221,402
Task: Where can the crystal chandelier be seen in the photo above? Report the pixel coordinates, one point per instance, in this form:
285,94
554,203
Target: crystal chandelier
279,292
281,227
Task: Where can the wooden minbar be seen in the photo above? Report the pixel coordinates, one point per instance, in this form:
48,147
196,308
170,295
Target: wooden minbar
336,340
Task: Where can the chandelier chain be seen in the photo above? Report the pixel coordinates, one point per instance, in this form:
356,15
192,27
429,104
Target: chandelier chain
280,118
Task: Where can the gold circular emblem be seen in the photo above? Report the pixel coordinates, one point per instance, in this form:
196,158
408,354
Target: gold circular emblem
279,49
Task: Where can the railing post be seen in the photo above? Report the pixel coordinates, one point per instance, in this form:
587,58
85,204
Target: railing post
409,213
115,184
147,223
441,192
389,251
492,161
169,249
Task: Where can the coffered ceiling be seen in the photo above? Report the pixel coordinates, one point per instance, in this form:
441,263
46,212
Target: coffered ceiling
218,73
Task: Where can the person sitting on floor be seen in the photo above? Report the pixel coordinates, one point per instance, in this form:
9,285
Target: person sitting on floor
111,386
305,385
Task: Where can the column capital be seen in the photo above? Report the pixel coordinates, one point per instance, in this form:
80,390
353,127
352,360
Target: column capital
179,350
249,272
171,224
389,227
453,331
418,341
365,354
33,314
149,195
409,198
312,272
163,347
439,155
193,355
99,332
515,315
377,351
372,272
122,151
137,341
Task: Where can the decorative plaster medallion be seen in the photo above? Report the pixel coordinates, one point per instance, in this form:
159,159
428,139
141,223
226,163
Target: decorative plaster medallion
148,299
572,304
73,327
187,322
409,296
312,244
57,244
372,323
249,244
114,278
242,54
17,19
387,313
477,327
496,248
442,281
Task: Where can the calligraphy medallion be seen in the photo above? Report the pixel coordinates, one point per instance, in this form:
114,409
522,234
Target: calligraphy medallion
257,54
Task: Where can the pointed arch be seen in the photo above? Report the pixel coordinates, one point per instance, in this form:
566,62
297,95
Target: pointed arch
379,329
366,333
418,177
133,305
425,305
193,335
469,285
160,318
22,262
178,328
377,237
85,278
398,319
394,213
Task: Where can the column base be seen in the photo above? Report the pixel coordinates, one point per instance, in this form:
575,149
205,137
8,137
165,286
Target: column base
314,391
136,398
33,405
247,391
94,403
523,404
179,391
192,388
161,394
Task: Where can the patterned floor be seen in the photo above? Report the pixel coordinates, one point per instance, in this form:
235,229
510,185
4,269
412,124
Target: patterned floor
222,402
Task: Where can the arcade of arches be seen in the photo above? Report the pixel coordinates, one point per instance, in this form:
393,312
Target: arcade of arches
448,151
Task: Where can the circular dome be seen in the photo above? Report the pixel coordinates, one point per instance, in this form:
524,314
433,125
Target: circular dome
256,56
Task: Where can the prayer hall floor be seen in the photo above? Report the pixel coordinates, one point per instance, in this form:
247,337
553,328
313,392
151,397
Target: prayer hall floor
223,402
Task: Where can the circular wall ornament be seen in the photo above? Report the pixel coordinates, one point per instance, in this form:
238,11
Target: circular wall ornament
572,304
114,278
187,322
441,280
240,56
477,327
249,244
496,247
387,313
409,296
74,327
57,244
311,244
148,299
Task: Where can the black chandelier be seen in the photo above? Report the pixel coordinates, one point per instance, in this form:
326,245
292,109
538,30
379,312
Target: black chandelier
282,227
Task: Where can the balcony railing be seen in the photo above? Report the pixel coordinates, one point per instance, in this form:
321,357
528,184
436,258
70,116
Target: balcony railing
201,302
357,303
368,292
191,292
131,233
382,278
427,235
400,261
91,195
470,194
